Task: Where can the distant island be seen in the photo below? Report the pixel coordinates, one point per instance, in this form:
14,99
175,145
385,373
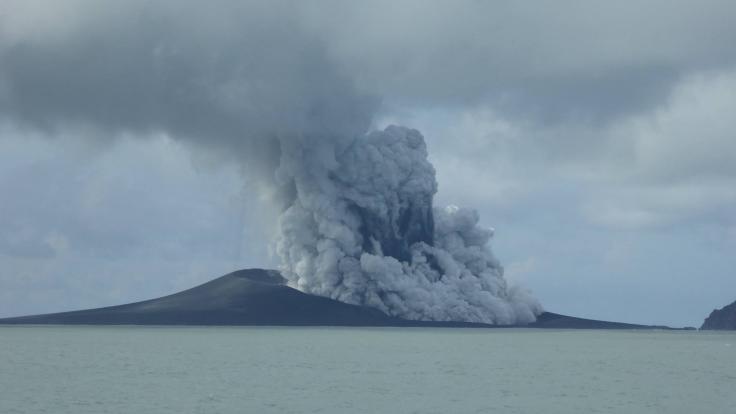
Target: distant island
721,319
260,297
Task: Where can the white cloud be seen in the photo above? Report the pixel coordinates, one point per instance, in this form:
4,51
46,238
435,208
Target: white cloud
694,135
656,168
682,159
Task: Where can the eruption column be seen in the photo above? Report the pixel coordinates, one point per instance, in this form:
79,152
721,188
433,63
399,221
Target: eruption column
361,228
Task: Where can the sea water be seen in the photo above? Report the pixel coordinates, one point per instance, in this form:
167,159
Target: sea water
60,369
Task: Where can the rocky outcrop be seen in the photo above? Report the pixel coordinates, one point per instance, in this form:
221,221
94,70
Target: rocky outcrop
721,319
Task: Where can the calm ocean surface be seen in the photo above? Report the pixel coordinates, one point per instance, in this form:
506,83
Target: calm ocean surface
356,370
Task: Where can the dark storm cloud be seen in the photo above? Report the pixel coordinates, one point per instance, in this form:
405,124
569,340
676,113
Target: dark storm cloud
543,61
227,69
227,77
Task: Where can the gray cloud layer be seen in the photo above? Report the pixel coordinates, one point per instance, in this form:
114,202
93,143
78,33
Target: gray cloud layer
231,66
228,78
548,59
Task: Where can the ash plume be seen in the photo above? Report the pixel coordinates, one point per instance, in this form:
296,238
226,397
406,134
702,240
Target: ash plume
252,84
362,229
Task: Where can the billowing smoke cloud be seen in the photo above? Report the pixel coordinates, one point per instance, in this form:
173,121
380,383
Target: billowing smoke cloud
250,83
362,229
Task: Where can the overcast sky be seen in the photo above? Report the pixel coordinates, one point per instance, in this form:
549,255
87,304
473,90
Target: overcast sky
597,138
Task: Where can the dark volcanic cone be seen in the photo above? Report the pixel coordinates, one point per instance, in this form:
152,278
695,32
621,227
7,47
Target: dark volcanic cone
245,297
261,297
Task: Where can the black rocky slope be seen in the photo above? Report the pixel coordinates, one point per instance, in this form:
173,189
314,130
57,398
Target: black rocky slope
721,319
261,297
